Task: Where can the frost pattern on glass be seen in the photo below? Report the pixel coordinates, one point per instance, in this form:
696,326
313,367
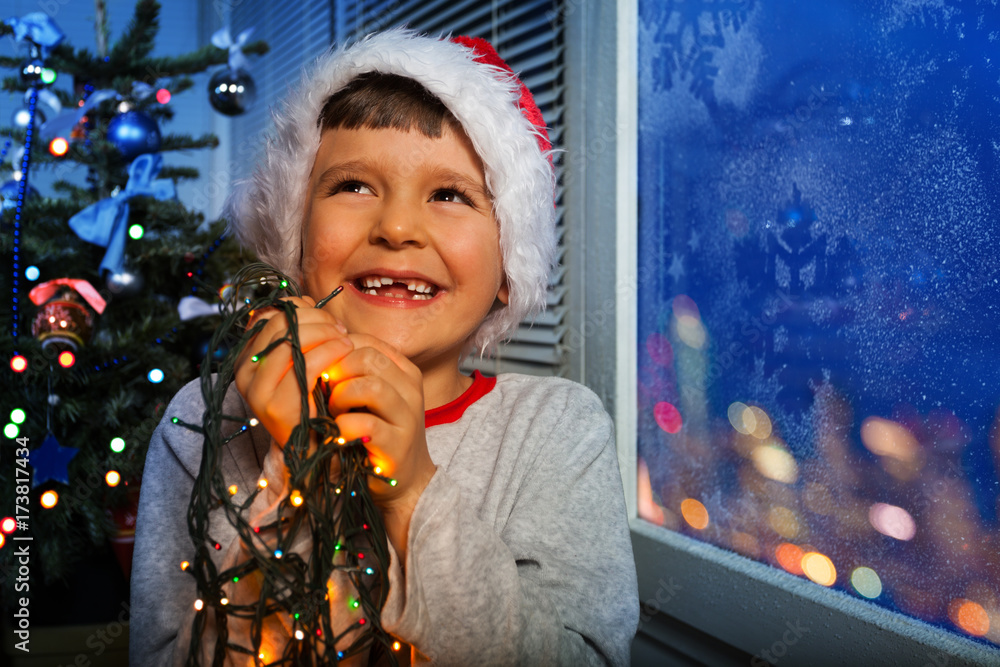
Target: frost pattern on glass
819,365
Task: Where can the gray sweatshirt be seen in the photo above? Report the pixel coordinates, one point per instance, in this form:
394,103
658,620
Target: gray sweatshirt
518,550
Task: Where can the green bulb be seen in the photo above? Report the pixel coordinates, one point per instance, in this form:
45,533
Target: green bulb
48,75
17,416
11,431
136,231
117,445
296,616
235,579
355,604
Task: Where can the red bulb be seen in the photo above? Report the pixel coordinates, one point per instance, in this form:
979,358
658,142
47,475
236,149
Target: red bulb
361,556
58,147
361,621
66,359
8,525
163,96
217,546
18,364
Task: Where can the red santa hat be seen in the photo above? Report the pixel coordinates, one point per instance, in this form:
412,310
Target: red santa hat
497,113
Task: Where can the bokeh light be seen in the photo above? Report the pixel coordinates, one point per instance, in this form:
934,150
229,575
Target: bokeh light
136,231
789,557
756,422
819,568
17,416
887,438
659,349
49,499
66,359
8,525
32,272
774,462
155,376
970,616
113,477
784,522
18,363
117,445
668,417
694,513
866,582
687,322
11,431
163,96
735,414
892,521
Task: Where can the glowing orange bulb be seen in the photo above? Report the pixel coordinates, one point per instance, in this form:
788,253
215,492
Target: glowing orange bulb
2,540
49,499
198,604
232,489
18,364
224,601
66,359
8,525
296,498
58,147
262,483
396,646
185,565
112,478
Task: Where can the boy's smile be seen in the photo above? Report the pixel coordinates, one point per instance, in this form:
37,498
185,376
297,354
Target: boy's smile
405,222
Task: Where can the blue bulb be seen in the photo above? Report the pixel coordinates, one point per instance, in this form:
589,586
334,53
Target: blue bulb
155,376
31,273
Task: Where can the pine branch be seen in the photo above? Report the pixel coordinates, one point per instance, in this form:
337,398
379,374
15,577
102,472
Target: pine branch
200,60
179,173
176,142
139,38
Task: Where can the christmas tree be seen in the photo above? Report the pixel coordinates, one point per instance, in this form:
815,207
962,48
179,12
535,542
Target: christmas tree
92,336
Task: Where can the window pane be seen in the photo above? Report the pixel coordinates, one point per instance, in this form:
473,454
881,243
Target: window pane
819,365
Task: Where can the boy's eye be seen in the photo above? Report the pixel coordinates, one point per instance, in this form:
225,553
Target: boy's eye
356,187
450,196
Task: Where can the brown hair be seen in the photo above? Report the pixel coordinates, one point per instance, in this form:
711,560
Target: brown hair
379,101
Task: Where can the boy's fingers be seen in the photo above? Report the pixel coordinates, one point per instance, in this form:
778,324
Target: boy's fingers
377,395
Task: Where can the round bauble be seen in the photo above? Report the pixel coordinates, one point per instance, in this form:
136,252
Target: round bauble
134,133
124,283
231,91
31,72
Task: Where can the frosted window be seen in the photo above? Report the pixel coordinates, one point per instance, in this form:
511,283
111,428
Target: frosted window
819,339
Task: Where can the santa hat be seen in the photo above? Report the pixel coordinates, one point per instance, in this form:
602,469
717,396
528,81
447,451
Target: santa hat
498,114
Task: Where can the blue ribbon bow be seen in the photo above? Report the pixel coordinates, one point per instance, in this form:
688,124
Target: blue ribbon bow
104,223
37,27
222,39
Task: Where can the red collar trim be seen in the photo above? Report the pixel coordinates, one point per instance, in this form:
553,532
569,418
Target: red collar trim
452,412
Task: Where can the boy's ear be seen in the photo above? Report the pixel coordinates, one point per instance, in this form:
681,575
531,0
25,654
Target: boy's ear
503,294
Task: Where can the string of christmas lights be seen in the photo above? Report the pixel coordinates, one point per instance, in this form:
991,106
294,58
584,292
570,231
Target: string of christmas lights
329,501
22,191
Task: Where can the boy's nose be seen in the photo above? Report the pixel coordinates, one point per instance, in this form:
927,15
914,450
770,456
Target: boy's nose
399,225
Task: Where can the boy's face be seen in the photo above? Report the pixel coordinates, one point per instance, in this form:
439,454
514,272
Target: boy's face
404,222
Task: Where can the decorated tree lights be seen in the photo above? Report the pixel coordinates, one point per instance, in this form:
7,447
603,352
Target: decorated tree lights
95,370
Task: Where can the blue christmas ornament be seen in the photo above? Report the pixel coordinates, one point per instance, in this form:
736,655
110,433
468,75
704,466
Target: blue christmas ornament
134,133
51,461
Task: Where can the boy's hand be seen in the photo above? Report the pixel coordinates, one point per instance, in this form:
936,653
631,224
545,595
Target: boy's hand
269,385
386,391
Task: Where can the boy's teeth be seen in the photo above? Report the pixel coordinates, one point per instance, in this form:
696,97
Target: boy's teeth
417,289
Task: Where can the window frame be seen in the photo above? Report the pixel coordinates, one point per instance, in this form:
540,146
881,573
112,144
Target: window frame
744,603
